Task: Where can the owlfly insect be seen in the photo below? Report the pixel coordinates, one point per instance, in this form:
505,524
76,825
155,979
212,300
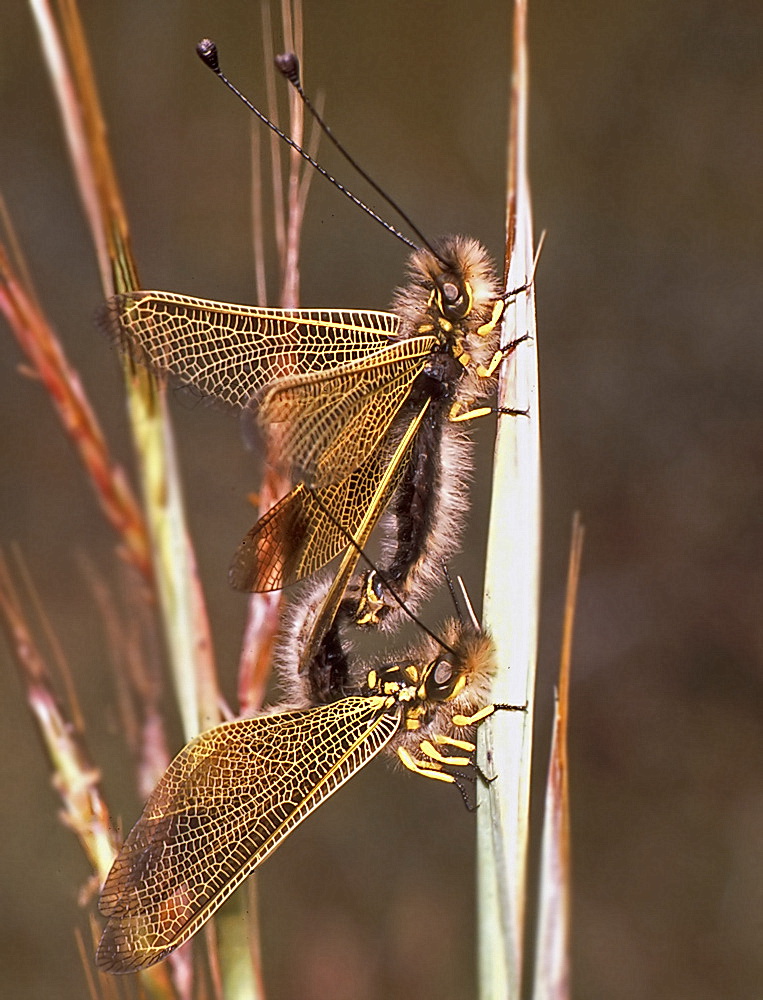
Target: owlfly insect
233,794
368,407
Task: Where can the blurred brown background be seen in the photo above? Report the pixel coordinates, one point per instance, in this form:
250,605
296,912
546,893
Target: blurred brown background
646,157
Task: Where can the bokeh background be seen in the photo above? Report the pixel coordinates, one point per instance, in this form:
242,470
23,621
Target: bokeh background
646,159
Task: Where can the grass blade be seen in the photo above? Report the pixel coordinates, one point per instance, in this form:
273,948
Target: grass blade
511,596
551,979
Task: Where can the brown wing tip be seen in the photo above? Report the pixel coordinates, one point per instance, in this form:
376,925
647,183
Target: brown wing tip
268,557
247,572
115,956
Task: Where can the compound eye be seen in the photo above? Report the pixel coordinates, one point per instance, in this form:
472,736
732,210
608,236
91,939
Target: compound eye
450,293
441,679
443,672
454,300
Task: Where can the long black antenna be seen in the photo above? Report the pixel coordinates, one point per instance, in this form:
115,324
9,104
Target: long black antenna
382,577
288,64
474,620
207,52
453,593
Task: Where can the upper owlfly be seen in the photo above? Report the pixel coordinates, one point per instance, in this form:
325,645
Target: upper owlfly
368,407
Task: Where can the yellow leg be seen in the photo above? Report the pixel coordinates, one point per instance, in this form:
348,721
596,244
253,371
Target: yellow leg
424,768
450,742
485,713
484,372
370,605
472,720
434,753
500,356
498,306
455,417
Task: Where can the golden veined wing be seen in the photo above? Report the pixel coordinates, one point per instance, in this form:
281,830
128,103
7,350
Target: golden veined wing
222,806
308,527
231,351
361,533
330,422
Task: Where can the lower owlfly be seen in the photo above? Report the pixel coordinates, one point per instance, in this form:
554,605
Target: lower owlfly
233,794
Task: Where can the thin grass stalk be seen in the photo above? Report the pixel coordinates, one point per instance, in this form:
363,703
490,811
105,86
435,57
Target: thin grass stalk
551,980
87,966
183,610
258,214
240,957
49,363
65,92
291,274
288,206
263,611
279,218
140,695
74,775
511,587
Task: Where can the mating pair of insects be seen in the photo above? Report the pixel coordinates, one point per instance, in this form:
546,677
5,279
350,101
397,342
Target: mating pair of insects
369,412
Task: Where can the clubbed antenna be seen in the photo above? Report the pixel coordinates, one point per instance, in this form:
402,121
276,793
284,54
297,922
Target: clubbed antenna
288,64
207,52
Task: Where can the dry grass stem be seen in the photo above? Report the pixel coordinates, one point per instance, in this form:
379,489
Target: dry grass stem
49,364
552,973
74,775
183,610
511,595
289,206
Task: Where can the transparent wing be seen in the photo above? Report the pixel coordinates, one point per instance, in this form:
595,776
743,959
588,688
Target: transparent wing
308,528
329,423
336,592
231,351
223,805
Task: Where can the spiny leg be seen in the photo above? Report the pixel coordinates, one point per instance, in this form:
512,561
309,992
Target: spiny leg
486,779
467,721
470,806
464,721
475,771
486,371
503,707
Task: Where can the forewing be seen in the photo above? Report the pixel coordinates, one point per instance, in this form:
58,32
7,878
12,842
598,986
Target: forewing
232,351
309,527
329,423
223,805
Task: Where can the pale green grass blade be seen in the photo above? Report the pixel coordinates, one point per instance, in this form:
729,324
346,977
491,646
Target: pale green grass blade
511,590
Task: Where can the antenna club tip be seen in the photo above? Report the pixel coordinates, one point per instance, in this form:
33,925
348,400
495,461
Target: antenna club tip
207,52
288,64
